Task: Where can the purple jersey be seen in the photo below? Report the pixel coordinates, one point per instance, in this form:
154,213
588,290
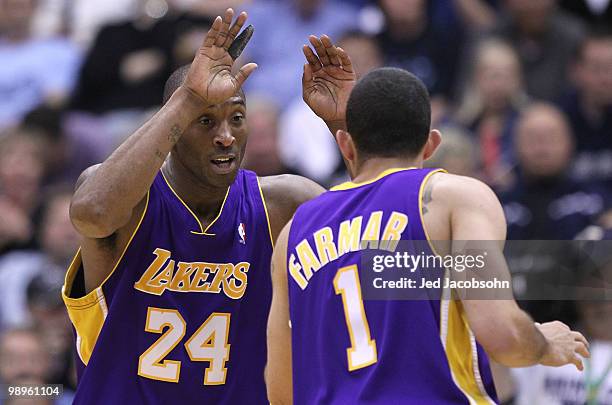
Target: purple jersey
347,350
181,318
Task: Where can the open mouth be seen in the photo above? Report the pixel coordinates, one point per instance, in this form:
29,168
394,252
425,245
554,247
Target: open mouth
224,164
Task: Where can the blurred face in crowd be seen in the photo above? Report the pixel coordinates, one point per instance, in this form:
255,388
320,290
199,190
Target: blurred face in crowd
262,154
497,75
58,236
543,142
400,12
307,8
21,169
23,358
530,15
593,72
457,153
364,51
16,15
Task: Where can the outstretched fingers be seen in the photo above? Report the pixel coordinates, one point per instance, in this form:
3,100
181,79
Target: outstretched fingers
235,29
320,49
312,59
330,50
213,33
345,60
225,26
244,73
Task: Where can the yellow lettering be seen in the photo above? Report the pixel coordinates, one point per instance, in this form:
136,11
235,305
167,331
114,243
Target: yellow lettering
231,287
324,240
295,271
198,283
393,231
181,280
349,235
223,271
371,234
143,284
307,258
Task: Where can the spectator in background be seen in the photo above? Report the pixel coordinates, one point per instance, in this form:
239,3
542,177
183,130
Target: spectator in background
545,203
21,171
493,98
65,156
546,40
589,108
58,241
306,144
263,149
24,359
33,71
127,65
411,41
457,153
281,28
50,317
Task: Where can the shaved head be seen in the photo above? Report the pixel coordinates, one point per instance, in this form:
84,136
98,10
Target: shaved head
177,78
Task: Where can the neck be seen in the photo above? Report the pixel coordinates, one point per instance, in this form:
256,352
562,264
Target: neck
204,199
371,168
402,31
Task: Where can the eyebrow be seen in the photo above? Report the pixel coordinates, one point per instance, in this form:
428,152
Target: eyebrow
239,101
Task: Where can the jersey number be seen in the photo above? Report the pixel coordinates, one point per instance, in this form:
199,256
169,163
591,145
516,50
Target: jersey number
208,343
362,352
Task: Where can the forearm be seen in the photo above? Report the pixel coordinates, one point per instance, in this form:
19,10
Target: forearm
123,179
523,344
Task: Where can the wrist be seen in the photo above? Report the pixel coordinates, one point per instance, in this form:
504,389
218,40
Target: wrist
335,125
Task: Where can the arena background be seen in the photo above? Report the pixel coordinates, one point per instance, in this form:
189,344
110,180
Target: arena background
521,89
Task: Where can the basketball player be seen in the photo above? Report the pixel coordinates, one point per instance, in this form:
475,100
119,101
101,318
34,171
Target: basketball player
170,291
328,345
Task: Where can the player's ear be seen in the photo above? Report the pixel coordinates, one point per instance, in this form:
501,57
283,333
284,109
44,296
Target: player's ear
435,138
347,149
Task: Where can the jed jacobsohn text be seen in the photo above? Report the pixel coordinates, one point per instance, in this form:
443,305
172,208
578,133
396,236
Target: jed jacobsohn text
410,262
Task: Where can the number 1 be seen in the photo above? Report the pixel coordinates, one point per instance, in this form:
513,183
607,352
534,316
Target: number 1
362,352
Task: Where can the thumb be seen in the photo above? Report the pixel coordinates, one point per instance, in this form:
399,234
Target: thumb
244,73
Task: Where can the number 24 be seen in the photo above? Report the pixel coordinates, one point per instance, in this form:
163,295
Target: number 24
208,343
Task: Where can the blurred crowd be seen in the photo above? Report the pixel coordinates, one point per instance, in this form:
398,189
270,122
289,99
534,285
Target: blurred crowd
521,90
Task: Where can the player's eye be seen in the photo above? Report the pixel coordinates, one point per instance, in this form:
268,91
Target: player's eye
238,118
205,121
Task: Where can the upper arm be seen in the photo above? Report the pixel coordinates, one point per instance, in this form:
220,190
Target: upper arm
284,194
278,368
99,255
477,222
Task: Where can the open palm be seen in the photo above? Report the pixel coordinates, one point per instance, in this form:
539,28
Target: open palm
210,75
328,79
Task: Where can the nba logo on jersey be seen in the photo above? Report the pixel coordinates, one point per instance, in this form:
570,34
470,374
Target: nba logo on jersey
242,233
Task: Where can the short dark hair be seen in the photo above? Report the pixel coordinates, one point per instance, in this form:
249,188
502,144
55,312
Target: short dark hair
177,78
388,114
175,81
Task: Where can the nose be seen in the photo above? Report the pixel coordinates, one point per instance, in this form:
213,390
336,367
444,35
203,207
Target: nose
224,137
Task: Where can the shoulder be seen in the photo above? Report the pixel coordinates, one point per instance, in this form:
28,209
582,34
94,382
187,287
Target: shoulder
291,189
459,189
284,194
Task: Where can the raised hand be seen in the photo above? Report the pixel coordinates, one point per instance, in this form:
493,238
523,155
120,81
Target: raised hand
564,345
328,79
210,76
